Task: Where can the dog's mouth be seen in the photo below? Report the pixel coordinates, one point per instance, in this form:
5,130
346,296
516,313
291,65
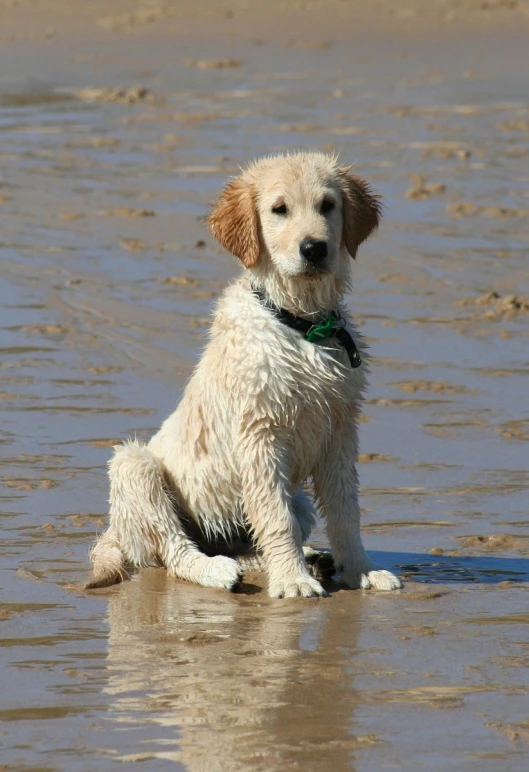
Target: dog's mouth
315,271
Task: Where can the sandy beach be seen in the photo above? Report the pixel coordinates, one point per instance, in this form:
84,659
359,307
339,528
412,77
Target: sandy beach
119,122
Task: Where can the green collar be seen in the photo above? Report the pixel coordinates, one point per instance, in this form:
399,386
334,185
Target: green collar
332,327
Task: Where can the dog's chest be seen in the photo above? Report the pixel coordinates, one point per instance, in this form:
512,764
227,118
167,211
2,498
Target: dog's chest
328,391
320,390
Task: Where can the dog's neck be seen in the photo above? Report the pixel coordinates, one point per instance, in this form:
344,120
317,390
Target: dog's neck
302,296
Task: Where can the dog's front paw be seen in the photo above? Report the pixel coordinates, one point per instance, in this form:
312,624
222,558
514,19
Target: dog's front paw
220,571
293,587
380,580
375,579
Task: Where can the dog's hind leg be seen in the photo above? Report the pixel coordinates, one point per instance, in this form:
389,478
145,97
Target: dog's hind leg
320,563
145,527
305,513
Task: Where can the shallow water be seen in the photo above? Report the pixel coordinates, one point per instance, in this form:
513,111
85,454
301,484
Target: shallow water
108,280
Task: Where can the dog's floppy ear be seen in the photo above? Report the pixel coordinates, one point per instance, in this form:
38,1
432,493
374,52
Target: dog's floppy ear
233,221
361,211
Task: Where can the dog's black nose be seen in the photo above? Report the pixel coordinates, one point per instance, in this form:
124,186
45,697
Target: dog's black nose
313,251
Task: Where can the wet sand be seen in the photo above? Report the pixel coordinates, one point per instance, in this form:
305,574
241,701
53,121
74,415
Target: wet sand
117,128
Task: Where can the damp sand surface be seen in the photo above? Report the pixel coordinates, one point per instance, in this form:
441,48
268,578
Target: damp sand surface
117,128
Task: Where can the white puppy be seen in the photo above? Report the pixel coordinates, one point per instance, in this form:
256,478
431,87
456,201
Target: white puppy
272,405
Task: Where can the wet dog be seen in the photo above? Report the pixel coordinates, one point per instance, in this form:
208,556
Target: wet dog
272,405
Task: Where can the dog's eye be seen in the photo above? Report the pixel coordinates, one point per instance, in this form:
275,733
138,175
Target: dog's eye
326,206
279,209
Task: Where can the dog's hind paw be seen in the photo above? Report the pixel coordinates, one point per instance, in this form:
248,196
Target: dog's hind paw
220,571
304,586
320,563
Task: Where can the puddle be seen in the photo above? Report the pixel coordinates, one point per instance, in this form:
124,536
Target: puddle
465,570
108,279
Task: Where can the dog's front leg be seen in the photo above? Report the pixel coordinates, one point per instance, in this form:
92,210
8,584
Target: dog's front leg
336,487
268,506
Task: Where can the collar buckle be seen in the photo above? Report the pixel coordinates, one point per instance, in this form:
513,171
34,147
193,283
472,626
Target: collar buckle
339,324
326,329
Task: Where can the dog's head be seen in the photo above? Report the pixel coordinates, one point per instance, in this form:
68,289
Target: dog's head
299,212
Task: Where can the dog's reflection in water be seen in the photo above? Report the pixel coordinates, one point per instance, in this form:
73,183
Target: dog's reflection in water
232,681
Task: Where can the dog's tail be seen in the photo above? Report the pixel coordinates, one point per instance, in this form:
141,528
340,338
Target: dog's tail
140,509
108,562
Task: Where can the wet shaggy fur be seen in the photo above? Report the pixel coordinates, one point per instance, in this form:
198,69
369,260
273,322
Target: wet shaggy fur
222,485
